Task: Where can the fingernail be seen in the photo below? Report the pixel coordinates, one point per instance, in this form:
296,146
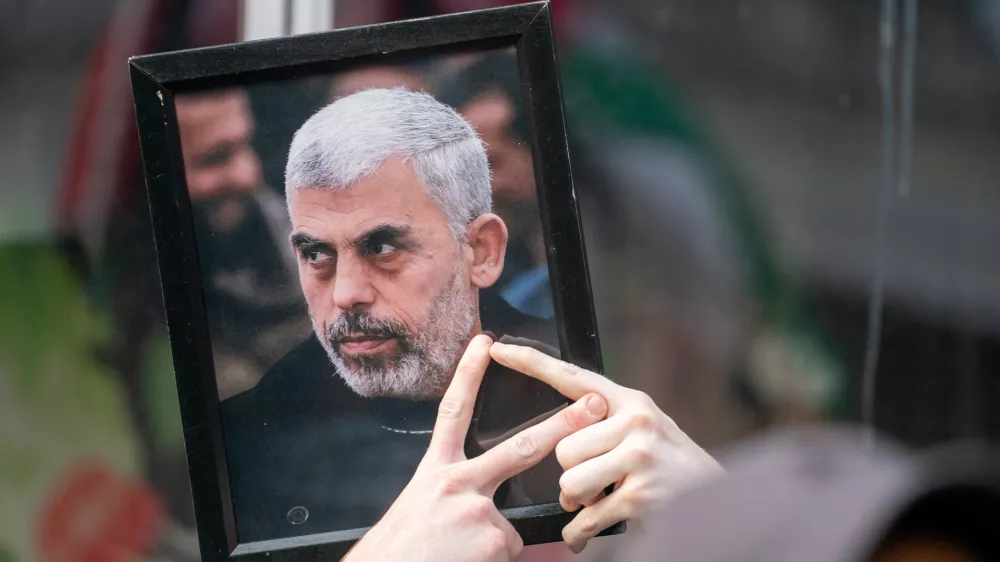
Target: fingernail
596,405
491,335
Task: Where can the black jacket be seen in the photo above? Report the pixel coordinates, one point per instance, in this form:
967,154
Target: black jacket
307,455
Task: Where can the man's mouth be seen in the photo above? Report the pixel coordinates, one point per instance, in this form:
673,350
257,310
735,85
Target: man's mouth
363,344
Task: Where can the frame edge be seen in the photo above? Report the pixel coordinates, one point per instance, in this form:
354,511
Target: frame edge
551,159
277,53
167,193
187,328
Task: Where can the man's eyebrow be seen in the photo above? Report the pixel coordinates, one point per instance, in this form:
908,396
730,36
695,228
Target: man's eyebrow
304,242
398,235
214,152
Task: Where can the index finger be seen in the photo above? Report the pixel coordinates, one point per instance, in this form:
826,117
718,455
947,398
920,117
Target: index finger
569,380
455,411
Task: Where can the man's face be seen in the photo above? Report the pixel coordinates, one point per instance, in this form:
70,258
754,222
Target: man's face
491,114
387,284
222,169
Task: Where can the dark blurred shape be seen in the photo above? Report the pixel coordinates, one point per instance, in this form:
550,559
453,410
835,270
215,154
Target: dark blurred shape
818,495
487,92
408,76
278,110
251,291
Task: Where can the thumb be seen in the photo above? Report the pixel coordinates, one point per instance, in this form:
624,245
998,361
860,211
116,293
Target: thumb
455,410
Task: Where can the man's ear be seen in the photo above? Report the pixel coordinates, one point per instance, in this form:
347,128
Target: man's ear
487,238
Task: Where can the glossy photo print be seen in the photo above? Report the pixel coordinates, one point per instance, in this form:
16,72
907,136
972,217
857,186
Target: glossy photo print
340,302
352,230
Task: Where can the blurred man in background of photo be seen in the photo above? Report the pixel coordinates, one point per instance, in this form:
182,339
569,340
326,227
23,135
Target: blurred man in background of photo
486,91
241,228
409,76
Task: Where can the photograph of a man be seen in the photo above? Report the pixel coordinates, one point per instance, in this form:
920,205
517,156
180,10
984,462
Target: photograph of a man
389,198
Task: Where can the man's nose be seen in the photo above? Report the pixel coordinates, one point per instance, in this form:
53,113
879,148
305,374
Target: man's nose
352,288
245,173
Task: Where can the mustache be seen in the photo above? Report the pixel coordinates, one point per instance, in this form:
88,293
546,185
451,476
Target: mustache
366,324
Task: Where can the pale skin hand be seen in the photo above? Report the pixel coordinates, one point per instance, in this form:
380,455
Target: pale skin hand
446,512
638,449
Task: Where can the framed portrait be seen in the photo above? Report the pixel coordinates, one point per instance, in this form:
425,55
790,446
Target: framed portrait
335,216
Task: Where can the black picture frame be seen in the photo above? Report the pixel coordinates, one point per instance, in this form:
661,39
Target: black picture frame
157,78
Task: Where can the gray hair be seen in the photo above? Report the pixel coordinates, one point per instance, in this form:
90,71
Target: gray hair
349,139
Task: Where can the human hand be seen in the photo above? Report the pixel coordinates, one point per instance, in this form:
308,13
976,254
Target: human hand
638,448
446,512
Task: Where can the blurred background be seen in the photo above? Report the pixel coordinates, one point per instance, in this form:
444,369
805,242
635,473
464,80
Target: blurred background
789,209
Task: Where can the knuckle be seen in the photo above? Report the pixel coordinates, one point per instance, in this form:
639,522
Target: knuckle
642,419
643,399
669,427
450,484
481,506
474,511
569,535
594,500
484,505
570,486
631,501
639,456
635,499
518,546
569,369
496,541
450,408
587,523
526,445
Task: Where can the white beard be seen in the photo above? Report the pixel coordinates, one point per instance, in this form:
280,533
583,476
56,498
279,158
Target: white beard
429,355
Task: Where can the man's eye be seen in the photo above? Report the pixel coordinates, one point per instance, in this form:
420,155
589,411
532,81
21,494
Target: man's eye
316,257
384,249
217,157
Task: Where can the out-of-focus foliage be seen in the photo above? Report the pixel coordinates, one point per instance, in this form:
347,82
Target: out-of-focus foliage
58,404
